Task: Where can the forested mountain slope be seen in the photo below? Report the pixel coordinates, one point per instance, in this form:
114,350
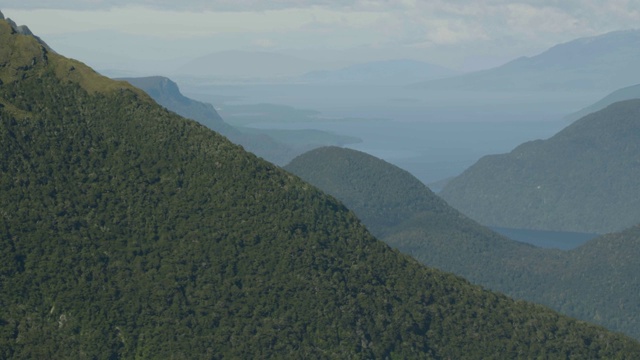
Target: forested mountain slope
127,231
399,209
166,93
278,146
596,282
585,178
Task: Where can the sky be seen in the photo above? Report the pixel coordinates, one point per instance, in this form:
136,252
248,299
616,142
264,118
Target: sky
466,35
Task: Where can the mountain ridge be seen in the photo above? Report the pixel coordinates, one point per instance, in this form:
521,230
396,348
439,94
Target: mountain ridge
599,63
577,180
595,282
130,232
276,146
627,93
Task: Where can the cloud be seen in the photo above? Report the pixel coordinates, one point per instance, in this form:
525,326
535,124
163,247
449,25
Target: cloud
203,5
505,28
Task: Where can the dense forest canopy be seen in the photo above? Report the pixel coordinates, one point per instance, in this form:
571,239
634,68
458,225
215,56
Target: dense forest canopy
127,231
596,282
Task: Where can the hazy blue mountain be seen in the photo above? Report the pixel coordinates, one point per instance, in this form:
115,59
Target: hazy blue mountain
600,63
627,93
277,146
127,231
596,282
166,93
582,179
380,72
247,65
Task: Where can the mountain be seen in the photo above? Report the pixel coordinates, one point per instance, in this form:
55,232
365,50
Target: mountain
166,93
127,231
600,63
24,30
399,209
380,72
277,146
580,180
596,282
627,93
247,65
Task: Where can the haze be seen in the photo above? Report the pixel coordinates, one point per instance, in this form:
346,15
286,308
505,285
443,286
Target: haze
463,35
361,66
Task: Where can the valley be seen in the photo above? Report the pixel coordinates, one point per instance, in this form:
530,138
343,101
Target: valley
382,209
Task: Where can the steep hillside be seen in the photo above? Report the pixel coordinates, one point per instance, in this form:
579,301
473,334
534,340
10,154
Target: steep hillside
127,231
600,63
166,93
277,146
582,179
397,208
627,93
596,282
600,282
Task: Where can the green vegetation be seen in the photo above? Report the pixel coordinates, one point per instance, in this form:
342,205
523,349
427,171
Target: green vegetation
277,146
166,93
582,179
127,231
596,282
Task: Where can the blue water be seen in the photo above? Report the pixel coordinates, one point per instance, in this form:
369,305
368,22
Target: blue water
562,240
434,135
432,151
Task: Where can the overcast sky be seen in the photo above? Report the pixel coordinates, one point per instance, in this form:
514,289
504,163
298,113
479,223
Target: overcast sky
462,34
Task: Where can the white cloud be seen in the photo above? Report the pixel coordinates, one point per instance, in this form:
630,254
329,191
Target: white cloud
443,28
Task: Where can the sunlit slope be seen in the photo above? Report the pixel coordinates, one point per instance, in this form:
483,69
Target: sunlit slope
129,232
585,178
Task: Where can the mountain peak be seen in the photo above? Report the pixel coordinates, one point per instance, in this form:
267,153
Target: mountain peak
24,30
20,29
24,54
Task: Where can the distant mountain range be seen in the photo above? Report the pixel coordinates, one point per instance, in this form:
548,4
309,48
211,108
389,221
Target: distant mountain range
582,179
264,66
127,231
380,72
277,146
600,63
627,93
596,282
247,65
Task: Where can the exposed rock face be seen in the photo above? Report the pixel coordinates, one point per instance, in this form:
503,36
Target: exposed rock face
24,30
